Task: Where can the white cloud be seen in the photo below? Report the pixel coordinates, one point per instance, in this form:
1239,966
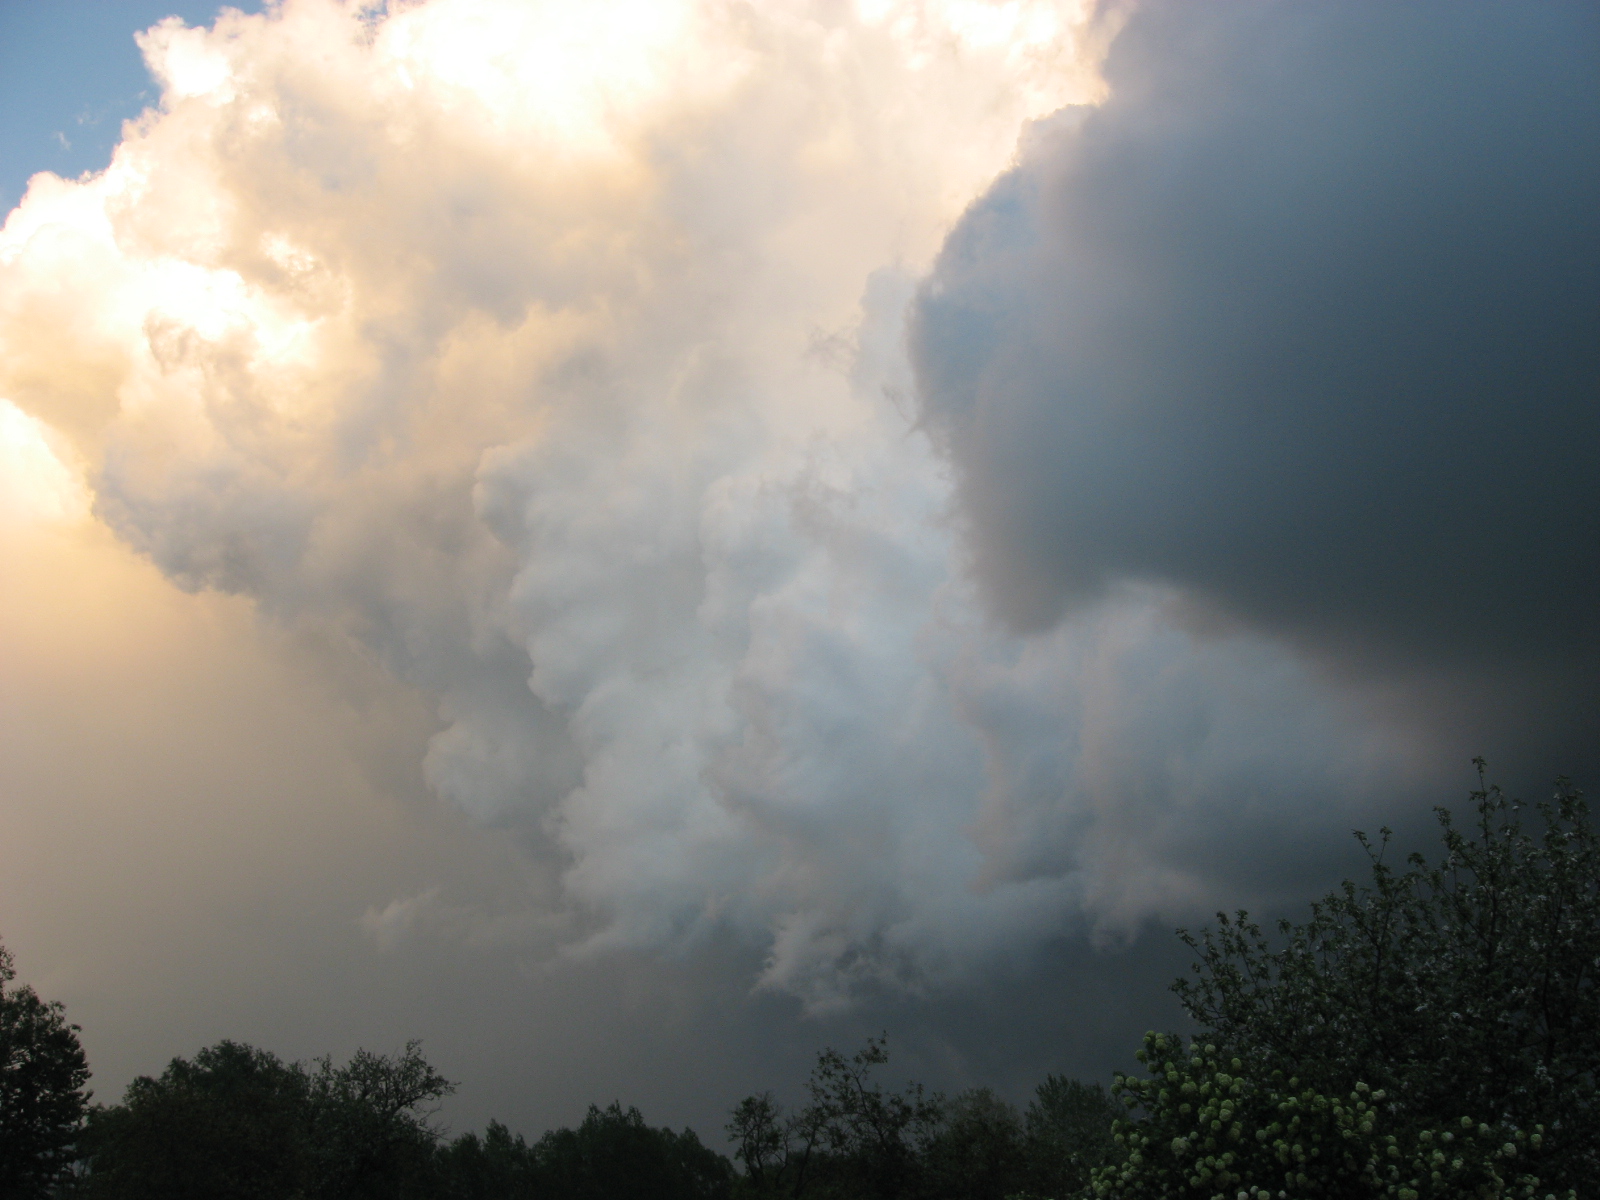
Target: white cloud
36,485
568,376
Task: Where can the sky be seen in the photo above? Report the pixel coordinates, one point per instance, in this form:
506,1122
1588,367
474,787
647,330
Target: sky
636,541
70,77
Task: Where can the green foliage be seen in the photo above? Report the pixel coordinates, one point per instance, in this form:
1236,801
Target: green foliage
1469,986
1212,1130
42,1094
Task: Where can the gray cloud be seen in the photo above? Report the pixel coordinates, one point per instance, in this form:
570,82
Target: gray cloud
1300,322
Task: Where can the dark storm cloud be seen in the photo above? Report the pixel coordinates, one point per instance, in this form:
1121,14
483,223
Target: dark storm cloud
1305,320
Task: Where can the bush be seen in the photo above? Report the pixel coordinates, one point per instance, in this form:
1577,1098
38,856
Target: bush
1467,986
1211,1130
1433,1033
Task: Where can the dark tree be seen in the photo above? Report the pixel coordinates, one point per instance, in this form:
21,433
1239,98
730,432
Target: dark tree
42,1095
874,1137
370,1135
231,1123
856,1140
853,1139
614,1155
238,1122
978,1152
1068,1135
497,1166
774,1152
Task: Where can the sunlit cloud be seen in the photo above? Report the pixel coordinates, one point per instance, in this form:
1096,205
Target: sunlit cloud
36,485
555,356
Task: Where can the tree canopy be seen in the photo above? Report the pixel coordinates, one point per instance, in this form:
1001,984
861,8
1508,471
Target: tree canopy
856,1140
1211,1129
43,1073
239,1122
1447,997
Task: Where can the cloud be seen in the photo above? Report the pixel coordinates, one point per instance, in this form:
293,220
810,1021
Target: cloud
1299,323
36,486
565,376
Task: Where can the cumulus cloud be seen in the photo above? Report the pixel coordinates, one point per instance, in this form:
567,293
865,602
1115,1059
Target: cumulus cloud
1300,324
556,357
36,485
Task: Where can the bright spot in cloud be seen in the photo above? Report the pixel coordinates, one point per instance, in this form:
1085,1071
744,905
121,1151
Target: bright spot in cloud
581,71
36,486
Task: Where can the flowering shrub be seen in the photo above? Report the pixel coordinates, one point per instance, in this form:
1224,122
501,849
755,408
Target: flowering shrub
1209,1130
1468,985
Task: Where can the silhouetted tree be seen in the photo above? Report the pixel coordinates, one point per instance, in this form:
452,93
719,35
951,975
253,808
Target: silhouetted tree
370,1136
238,1122
233,1122
614,1155
1068,1135
853,1138
765,1144
498,1166
978,1151
42,1094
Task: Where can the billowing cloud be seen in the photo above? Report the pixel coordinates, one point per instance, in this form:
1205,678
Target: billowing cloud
1300,323
555,358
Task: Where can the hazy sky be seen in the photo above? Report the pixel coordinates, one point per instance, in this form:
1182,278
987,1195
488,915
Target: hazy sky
633,545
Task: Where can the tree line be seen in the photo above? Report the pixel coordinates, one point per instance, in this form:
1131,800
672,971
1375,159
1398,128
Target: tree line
1431,1032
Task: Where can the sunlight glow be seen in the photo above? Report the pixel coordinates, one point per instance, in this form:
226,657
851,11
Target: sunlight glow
575,71
36,486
